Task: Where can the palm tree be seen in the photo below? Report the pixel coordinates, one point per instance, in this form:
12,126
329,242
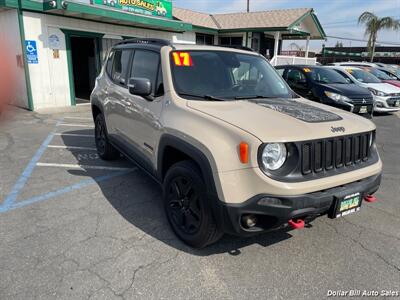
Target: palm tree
373,24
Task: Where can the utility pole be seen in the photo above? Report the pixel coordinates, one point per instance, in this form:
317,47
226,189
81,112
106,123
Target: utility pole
248,5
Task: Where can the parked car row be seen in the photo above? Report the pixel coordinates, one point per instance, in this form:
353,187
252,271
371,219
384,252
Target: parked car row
361,88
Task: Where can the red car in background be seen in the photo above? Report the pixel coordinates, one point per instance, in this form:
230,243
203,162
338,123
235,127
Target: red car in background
383,75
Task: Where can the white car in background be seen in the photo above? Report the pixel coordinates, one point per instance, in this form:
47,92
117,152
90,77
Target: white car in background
386,96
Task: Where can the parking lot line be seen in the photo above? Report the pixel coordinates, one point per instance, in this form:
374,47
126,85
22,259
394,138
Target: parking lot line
73,134
67,189
81,167
75,125
79,118
18,186
72,147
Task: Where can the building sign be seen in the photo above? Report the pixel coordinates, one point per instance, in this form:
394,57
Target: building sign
159,8
54,42
31,52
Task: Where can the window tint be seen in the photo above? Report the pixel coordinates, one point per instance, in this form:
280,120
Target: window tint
121,62
345,76
322,75
227,75
145,65
295,76
109,63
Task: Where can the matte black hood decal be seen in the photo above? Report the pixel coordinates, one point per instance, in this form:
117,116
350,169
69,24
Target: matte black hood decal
298,110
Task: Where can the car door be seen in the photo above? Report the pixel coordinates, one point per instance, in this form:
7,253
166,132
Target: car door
297,80
145,112
118,94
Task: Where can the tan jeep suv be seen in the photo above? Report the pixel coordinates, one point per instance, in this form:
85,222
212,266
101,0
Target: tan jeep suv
235,150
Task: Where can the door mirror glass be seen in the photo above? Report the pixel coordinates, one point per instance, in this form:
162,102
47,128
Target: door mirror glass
140,86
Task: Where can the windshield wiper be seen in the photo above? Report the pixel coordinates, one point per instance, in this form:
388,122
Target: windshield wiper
253,97
205,97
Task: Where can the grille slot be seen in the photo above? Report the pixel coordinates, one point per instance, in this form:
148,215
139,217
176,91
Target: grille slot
330,154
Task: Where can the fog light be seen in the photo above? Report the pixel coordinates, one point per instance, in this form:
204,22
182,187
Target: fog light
249,221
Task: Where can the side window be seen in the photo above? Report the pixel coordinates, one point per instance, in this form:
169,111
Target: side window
348,79
145,65
109,63
121,62
295,76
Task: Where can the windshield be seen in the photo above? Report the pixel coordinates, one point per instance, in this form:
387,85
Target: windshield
328,76
380,74
363,76
226,76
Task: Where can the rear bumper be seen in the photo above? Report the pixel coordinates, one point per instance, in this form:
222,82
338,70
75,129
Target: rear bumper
273,212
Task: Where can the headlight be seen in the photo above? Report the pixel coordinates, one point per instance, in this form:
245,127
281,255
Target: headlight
377,93
273,156
336,97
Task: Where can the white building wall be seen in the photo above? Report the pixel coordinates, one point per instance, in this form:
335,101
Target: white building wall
49,78
10,33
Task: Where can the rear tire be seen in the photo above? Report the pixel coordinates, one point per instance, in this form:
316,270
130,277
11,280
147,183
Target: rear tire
105,150
187,207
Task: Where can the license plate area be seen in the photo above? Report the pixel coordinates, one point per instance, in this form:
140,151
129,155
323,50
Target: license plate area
363,110
346,205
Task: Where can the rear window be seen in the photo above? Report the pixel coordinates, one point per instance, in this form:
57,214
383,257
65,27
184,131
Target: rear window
322,75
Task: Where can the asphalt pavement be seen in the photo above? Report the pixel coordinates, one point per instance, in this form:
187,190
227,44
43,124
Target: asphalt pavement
75,227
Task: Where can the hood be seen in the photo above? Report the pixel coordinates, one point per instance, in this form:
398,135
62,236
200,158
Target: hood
385,87
393,82
279,120
349,90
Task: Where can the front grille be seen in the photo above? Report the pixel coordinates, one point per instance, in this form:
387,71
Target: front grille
335,153
394,102
362,101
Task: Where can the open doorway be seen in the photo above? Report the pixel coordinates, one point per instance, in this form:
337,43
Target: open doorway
84,53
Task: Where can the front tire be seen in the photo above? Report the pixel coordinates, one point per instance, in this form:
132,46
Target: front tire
187,207
105,150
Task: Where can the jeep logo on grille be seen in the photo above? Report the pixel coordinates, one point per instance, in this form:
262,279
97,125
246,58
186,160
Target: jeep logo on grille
338,129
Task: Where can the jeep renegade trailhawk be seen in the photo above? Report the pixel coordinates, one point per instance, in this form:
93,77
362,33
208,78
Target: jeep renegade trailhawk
235,150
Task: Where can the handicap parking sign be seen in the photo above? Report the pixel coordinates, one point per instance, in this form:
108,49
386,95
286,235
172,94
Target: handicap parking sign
31,52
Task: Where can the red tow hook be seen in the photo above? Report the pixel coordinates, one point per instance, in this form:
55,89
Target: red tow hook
298,224
370,198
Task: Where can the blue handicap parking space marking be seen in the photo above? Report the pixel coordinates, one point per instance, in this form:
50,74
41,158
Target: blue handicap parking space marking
11,202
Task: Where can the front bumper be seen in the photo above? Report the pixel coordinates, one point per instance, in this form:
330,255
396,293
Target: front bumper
350,106
274,212
385,104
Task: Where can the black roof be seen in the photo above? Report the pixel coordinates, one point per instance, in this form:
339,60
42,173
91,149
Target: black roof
155,44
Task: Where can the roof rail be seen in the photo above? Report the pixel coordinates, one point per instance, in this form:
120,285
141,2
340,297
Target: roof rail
160,42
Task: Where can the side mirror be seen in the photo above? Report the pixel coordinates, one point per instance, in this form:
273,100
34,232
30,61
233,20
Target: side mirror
140,86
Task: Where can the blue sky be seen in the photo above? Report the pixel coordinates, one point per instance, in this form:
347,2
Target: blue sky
338,17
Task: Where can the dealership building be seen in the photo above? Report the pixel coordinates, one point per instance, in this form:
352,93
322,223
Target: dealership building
59,45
